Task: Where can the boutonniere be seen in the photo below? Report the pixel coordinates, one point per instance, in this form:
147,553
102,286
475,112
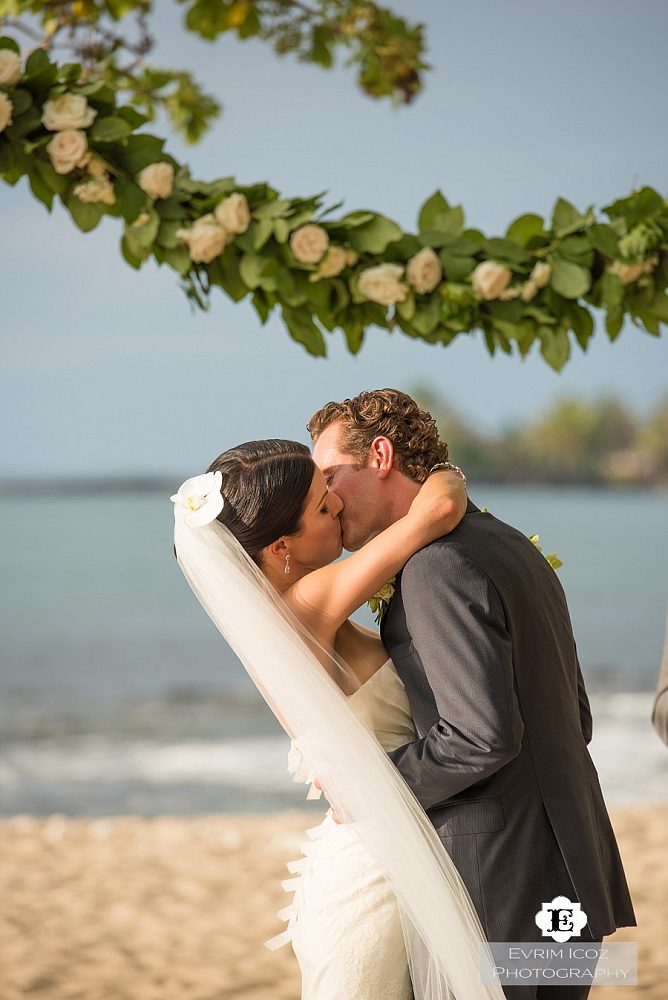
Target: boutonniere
380,602
552,557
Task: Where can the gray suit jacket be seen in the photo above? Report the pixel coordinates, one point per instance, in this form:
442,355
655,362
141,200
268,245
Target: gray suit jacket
480,634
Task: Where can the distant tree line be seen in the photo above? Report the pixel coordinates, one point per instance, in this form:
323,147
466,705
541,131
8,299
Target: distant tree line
575,441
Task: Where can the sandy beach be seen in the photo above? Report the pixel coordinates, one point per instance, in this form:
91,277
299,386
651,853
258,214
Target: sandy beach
172,908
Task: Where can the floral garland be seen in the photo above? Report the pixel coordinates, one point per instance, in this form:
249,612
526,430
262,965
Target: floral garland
72,141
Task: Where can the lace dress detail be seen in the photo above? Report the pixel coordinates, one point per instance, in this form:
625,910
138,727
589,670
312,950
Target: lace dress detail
343,922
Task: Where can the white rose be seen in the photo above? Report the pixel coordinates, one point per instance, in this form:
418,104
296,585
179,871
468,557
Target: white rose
95,190
233,213
6,108
205,239
69,111
540,274
424,271
68,149
529,290
309,244
511,293
157,180
381,284
95,166
331,265
489,279
631,272
10,68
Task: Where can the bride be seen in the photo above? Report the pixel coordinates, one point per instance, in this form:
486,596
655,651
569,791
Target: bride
379,911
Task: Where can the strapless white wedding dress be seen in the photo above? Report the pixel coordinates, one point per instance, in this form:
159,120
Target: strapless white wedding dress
344,922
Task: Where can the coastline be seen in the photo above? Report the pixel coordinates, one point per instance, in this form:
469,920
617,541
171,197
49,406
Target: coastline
175,908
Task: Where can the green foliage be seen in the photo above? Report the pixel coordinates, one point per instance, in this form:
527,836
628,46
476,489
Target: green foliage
385,49
533,286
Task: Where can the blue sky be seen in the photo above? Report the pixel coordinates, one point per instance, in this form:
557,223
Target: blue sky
106,370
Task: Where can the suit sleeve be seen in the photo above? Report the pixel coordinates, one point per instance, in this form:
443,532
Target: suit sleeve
586,722
457,624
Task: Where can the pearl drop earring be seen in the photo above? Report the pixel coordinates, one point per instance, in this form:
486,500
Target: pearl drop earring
287,564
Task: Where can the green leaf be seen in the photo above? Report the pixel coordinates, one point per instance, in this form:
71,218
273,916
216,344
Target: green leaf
581,322
433,207
569,279
23,124
171,209
554,347
604,239
614,321
8,43
131,199
145,235
54,181
406,309
167,237
427,315
36,62
524,228
565,217
41,190
292,287
303,329
577,249
274,209
650,323
86,216
375,236
354,334
250,269
611,290
261,305
110,129
642,204
138,151
261,233
21,101
129,256
658,306
456,268
506,251
131,116
6,155
229,277
176,257
281,230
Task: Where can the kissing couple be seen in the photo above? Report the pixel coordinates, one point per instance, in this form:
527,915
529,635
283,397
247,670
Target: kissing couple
452,746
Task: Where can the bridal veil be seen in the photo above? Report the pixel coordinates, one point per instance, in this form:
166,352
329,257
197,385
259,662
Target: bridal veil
306,687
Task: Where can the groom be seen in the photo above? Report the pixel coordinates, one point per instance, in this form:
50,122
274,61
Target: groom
480,634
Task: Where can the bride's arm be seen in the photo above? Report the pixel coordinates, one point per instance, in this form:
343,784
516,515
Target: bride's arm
333,592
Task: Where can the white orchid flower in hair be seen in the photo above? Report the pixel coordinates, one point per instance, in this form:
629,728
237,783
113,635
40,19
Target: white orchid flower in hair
201,497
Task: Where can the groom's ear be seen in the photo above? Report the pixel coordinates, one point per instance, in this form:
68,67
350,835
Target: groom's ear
381,456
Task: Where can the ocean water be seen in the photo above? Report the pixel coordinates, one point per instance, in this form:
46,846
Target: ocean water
118,695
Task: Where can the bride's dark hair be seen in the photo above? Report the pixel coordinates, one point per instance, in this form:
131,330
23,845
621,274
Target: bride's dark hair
265,485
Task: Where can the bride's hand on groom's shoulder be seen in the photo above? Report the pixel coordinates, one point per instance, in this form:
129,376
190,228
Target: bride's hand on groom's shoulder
440,504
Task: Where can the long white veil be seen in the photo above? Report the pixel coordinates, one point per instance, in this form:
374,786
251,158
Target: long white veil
305,686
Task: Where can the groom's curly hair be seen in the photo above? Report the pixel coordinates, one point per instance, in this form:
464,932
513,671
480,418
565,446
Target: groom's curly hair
386,413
